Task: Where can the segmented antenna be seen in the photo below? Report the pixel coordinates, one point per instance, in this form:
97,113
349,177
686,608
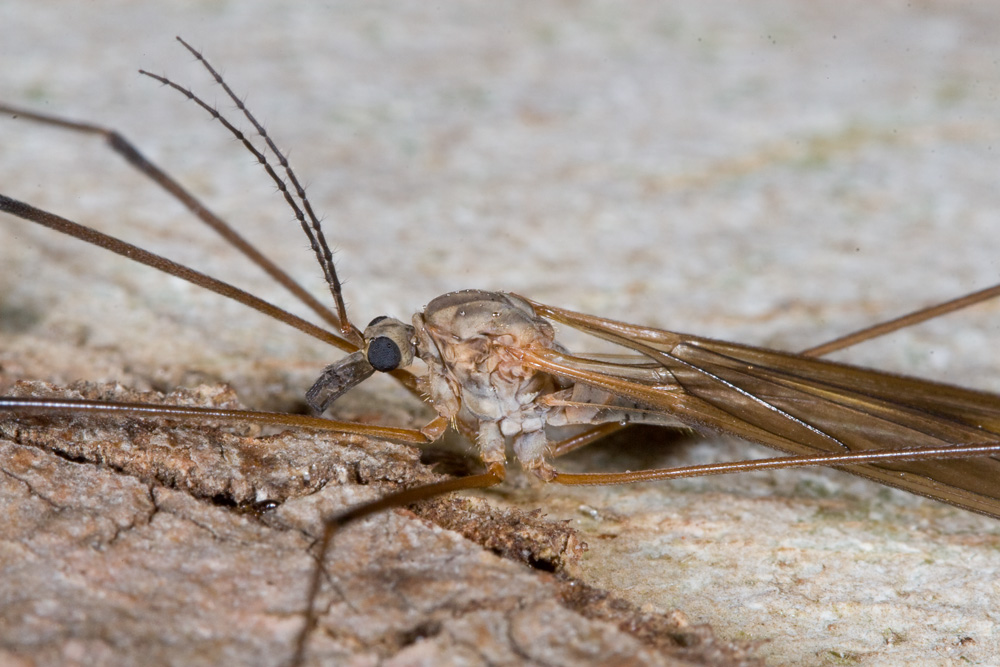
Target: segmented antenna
311,226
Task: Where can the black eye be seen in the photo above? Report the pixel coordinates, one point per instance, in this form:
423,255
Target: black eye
384,354
378,319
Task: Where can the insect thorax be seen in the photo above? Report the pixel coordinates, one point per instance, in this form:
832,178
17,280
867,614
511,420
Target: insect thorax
469,340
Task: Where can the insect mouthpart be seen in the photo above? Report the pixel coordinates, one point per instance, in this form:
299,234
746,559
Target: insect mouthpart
388,346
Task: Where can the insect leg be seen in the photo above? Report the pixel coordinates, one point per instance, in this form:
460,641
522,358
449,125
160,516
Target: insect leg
903,321
134,157
494,474
92,236
584,438
73,407
854,458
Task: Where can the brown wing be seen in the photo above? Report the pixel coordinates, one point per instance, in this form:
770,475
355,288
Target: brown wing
803,405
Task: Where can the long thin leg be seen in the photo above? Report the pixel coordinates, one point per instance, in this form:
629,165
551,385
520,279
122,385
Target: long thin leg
115,245
306,216
493,476
584,438
127,150
903,321
881,456
70,407
137,254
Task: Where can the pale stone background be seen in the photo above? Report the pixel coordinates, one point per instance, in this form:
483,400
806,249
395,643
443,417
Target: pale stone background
774,173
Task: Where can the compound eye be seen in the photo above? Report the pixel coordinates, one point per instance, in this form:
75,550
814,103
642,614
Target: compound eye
388,344
384,354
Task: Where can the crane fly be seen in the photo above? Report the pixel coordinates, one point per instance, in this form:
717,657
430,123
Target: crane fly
493,370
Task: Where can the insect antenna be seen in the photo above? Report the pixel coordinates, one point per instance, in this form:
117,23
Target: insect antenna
311,226
127,150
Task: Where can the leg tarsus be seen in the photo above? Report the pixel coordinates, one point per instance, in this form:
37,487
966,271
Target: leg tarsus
495,473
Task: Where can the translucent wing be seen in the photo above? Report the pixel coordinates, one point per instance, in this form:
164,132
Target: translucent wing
800,405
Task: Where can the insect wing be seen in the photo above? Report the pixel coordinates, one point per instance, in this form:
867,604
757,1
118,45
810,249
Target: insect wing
803,406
